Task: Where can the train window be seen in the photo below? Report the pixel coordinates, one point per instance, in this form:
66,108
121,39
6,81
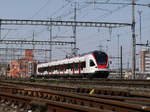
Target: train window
82,65
76,66
61,67
41,69
68,66
46,68
64,67
101,58
57,67
54,68
51,69
92,63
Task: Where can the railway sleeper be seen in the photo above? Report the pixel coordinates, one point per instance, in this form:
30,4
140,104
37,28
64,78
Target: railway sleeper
40,105
70,100
104,106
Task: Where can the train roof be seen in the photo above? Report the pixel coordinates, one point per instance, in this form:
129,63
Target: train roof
96,51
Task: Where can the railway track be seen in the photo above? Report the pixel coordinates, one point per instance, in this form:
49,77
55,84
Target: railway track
102,82
134,83
36,104
73,99
75,96
104,90
66,89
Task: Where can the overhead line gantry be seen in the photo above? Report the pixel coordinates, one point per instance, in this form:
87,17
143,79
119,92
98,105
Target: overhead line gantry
62,23
54,23
34,42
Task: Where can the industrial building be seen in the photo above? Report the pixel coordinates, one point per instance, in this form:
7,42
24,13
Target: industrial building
145,61
23,67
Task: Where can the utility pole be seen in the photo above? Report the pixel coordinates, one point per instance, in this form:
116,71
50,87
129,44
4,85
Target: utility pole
33,40
121,75
50,37
0,29
107,48
118,52
33,43
140,15
75,30
110,33
128,65
100,47
133,41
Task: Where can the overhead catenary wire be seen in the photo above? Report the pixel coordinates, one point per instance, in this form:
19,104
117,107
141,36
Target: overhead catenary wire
36,13
40,9
67,7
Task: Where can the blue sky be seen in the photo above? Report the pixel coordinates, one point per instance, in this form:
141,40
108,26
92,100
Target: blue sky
88,39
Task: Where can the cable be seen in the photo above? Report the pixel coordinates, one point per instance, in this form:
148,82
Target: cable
60,9
39,10
46,3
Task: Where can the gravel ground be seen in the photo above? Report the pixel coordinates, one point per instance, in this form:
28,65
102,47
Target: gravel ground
4,107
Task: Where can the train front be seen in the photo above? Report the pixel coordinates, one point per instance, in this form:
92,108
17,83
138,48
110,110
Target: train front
102,64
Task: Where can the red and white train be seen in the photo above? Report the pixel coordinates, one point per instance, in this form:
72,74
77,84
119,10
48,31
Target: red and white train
93,64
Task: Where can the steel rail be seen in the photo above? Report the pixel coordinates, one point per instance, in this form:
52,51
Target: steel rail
104,91
119,97
67,89
105,82
80,100
49,104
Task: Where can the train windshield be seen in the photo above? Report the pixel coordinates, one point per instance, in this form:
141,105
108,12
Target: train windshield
101,58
